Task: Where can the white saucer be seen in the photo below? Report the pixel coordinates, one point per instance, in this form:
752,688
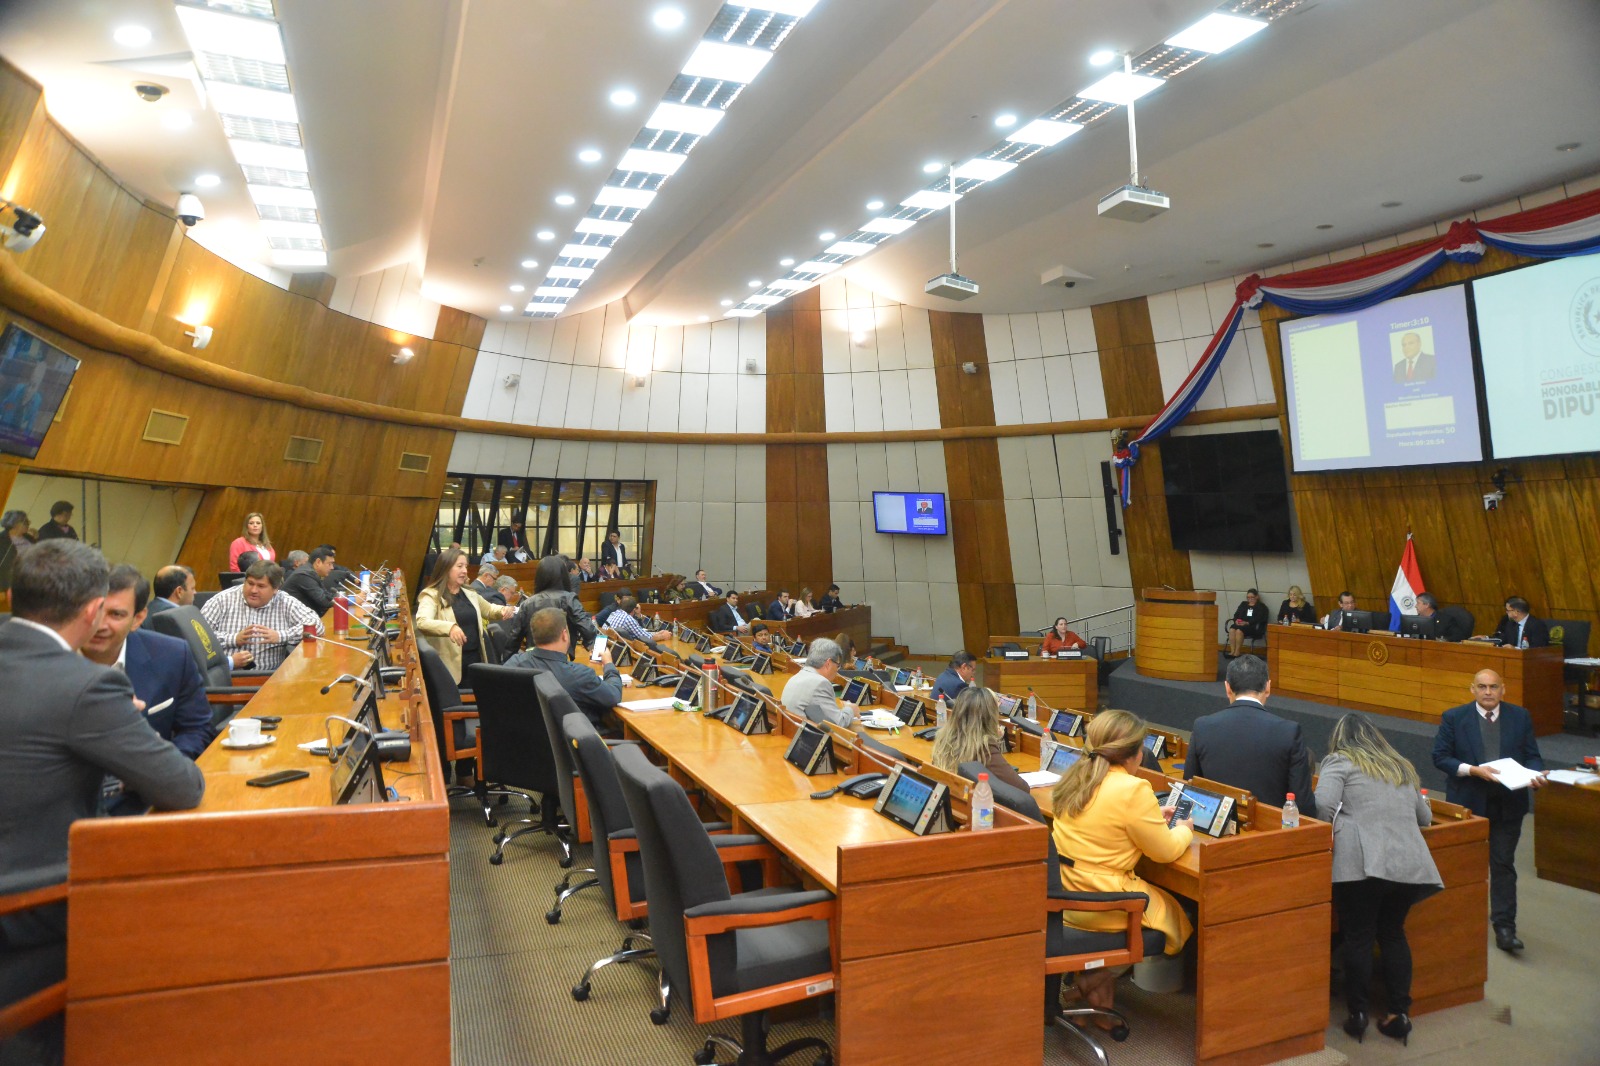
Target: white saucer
882,723
266,738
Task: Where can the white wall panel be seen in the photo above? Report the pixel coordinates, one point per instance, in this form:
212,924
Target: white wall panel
614,336
919,336
692,401
891,339
720,471
1003,387
845,518
835,342
863,340
665,396
661,466
750,546
896,398
541,337
591,330
1052,333
1080,330
1090,387
1025,541
502,400
1032,390
602,460
717,539
997,338
1195,312
691,472
944,601
564,341
580,396
1063,390
725,346
557,395
923,392
697,349
1025,336
608,407
868,401
752,412
530,392
839,406
722,402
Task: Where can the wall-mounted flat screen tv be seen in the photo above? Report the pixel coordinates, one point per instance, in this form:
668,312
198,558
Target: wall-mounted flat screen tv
34,378
1227,492
910,512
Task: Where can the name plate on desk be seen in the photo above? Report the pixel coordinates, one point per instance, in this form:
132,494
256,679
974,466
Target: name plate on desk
1017,654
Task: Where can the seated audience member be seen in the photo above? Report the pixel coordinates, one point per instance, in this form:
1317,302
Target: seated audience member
586,570
1345,613
247,559
453,619
594,695
65,723
174,587
1519,629
495,556
761,636
727,619
258,617
18,533
60,525
957,676
1107,819
627,619
1454,623
1297,608
295,560
1060,638
678,592
338,575
809,691
973,734
831,602
484,583
307,582
507,590
1249,621
551,589
803,607
160,668
847,647
514,540
781,608
253,539
1245,746
609,572
702,588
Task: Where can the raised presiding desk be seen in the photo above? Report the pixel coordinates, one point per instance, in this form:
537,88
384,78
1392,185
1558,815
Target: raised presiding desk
1566,824
270,925
1065,684
1418,679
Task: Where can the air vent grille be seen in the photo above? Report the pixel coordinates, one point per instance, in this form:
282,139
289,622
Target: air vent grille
415,462
165,427
303,450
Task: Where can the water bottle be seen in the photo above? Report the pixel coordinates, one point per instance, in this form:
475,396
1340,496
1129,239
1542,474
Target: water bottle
982,804
1291,813
941,714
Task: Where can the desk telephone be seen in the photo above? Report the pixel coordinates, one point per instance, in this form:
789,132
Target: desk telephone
861,786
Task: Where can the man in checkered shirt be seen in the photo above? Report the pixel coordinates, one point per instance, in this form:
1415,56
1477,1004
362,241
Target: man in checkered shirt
625,619
255,617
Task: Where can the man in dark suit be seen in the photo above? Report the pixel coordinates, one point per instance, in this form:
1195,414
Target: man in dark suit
1469,736
586,570
308,581
1518,626
831,602
702,588
1454,623
595,695
339,574
484,584
514,539
727,619
780,608
1245,746
1346,616
1414,364
65,723
958,675
174,587
614,552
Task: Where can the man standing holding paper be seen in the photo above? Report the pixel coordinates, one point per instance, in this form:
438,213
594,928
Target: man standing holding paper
1471,739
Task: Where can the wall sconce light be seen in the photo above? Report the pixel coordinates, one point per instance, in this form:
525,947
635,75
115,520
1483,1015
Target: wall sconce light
199,337
638,381
749,366
403,356
511,380
858,338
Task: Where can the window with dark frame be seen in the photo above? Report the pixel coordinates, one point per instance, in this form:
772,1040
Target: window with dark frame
570,516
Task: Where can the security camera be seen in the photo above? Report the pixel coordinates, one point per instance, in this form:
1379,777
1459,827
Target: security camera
1070,284
24,232
190,210
149,91
1491,500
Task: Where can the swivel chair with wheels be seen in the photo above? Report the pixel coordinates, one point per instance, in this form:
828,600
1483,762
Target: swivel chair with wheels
554,705
455,726
514,752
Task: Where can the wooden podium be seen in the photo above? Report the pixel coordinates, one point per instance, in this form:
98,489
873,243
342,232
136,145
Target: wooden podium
1177,634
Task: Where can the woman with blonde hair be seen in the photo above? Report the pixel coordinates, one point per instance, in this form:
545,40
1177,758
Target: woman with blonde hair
803,607
1106,820
1381,864
973,735
453,619
1297,608
253,539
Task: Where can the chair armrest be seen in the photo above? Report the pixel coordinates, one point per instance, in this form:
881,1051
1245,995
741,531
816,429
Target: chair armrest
718,827
232,695
24,889
1059,899
741,847
747,911
619,743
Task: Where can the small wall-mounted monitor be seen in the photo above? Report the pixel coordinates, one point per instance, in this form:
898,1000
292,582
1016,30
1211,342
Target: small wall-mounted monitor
910,512
34,377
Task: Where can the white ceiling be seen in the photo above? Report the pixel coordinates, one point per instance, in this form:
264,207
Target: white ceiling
439,132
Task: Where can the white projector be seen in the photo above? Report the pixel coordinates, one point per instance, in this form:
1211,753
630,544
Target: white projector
1133,203
951,287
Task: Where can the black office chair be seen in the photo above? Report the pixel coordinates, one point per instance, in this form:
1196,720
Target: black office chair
460,740
732,944
554,705
190,626
514,750
200,598
1573,636
229,578
33,980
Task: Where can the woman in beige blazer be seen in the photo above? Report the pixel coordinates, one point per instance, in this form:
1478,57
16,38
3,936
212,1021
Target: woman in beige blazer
452,618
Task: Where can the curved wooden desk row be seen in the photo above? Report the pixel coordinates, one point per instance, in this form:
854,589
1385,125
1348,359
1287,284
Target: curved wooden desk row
268,924
1070,684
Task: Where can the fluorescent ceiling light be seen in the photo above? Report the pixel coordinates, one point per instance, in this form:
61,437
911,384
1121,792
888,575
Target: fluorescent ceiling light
928,200
786,261
246,102
766,298
755,283
206,181
616,196
1120,87
798,8
646,161
727,303
794,284
1005,120
744,312
276,196
275,228
850,248
566,200
874,205
299,259
1217,33
726,62
559,292
812,266
581,273
546,235
608,227
826,235
223,34
623,98
1044,131
506,309
529,264
667,18
584,251
261,154
681,118
888,225
519,288
984,169
131,36
589,155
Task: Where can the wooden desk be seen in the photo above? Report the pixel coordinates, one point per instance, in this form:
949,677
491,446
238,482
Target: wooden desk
856,621
243,931
1566,824
1065,684
1416,679
1177,634
1449,931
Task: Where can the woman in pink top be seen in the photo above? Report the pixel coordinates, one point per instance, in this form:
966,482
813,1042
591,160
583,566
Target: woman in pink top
255,539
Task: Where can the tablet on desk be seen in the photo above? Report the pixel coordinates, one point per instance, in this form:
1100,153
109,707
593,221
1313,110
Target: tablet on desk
1211,813
1008,705
1062,759
909,710
688,687
1156,745
1066,723
915,802
854,691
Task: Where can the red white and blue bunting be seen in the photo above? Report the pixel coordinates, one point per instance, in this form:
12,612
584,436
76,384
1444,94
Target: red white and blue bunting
1568,227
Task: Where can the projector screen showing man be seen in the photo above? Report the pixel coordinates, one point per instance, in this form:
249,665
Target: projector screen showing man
1414,364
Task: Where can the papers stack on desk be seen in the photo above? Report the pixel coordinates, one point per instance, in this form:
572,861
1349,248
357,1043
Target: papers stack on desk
661,704
1040,778
1573,777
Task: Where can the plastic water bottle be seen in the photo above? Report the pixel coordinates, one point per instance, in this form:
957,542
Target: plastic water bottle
982,804
941,714
1291,813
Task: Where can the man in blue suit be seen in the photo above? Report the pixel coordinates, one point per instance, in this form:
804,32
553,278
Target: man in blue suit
1470,736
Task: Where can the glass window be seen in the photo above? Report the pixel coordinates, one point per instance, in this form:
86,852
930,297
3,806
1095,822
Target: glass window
569,516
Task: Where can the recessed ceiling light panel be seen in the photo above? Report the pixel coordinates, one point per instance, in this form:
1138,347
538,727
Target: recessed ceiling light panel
887,225
1217,33
623,97
1044,132
616,196
813,266
1005,120
581,273
529,264
680,118
261,154
606,227
850,248
240,36
584,251
546,235
667,17
566,200
649,162
1120,87
766,298
726,62
984,169
797,8
928,200
794,284
559,292
252,103
207,181
1102,57
589,155
874,205
278,196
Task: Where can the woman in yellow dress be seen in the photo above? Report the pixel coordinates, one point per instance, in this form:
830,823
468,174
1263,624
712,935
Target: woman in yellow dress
1106,820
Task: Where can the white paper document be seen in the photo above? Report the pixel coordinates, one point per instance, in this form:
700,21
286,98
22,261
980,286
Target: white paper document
1512,773
1040,778
662,704
1573,777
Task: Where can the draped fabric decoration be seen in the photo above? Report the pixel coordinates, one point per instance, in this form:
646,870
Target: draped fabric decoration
1568,227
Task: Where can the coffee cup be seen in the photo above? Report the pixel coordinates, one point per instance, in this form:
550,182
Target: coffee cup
244,730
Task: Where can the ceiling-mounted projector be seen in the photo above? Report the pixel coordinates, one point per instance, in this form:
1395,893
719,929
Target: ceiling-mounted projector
1133,203
951,287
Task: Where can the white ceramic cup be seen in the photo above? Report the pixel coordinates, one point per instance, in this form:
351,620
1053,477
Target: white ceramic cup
244,730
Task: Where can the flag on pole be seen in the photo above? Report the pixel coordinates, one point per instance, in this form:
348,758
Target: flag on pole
1407,587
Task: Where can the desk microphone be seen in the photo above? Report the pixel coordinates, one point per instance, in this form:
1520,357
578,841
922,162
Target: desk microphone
341,679
377,672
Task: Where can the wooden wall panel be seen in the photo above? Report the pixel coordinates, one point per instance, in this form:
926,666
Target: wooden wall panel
20,98
1132,381
984,582
1543,543
799,520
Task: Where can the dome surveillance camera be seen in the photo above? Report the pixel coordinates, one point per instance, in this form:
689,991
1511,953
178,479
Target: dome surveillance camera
149,91
25,232
1070,284
190,210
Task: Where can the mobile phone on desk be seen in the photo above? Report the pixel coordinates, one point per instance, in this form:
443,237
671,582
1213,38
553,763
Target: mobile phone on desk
282,777
1181,811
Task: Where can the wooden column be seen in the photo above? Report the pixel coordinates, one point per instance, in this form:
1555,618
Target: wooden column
977,497
799,522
